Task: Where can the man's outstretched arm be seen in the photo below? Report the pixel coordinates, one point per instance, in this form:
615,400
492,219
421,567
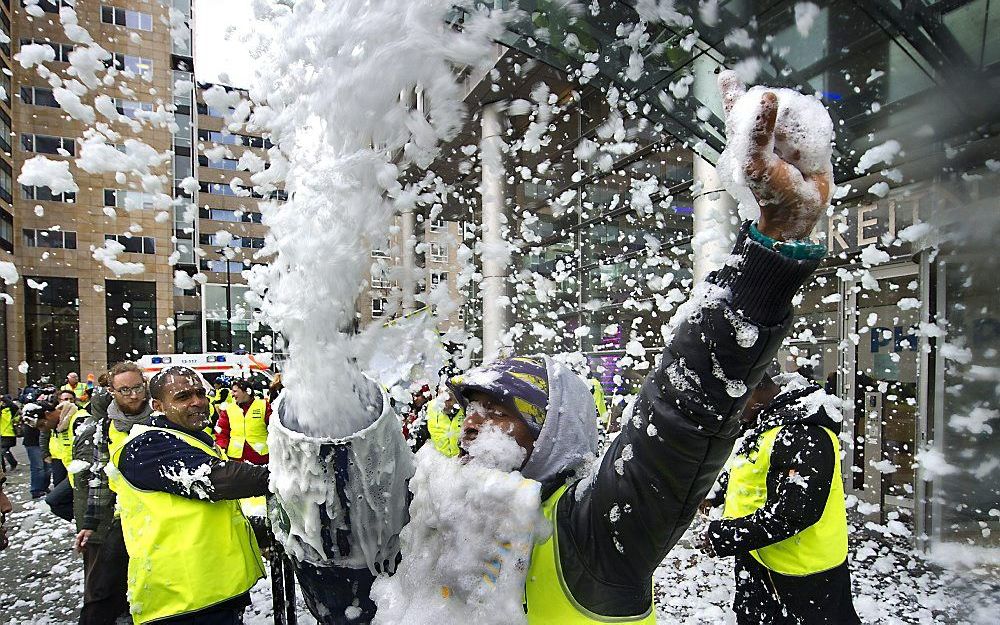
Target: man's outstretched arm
616,529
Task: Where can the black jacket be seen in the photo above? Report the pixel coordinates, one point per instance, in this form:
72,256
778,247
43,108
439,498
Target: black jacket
792,506
615,529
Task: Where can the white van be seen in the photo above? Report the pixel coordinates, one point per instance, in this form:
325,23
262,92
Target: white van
213,365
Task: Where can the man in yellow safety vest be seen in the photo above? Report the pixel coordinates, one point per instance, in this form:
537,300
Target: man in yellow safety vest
193,556
241,430
74,385
784,518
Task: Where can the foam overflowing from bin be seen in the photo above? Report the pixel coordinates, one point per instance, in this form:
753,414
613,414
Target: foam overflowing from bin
333,496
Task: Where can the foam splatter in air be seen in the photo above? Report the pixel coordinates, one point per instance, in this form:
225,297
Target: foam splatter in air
330,96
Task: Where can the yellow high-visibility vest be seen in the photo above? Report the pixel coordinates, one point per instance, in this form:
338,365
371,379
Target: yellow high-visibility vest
6,422
247,428
177,545
77,390
444,430
61,443
820,547
548,598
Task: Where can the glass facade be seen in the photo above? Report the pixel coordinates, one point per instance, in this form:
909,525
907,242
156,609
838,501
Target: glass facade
600,191
130,306
51,328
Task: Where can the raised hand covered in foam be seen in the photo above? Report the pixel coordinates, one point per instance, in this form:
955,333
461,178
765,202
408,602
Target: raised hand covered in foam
777,161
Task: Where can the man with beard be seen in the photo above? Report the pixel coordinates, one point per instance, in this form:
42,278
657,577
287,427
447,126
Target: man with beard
193,556
611,530
120,402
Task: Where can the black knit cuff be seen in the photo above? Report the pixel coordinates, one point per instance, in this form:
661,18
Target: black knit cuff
762,282
722,535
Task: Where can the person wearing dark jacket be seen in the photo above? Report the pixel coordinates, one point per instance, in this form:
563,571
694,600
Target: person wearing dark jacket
119,402
612,530
785,520
193,556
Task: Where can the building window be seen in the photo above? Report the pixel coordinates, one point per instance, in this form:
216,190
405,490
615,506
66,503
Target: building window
230,164
255,243
5,26
438,252
128,200
5,131
379,305
6,231
380,254
187,337
218,188
232,216
45,194
438,225
51,328
62,50
54,239
44,144
127,18
136,245
130,108
211,111
381,281
233,139
135,65
50,6
437,277
220,266
130,306
38,96
6,182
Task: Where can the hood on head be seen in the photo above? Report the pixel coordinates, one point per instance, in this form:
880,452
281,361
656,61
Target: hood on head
567,429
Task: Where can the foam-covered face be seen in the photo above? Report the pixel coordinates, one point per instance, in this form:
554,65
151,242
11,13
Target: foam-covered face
482,411
184,402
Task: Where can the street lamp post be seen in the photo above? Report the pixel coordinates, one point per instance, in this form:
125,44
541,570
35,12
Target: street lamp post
229,298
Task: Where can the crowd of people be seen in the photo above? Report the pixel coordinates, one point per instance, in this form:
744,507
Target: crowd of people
158,475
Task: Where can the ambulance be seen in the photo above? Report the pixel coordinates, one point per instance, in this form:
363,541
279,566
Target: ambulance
213,365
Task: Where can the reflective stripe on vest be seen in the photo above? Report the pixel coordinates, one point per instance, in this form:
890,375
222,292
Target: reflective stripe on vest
444,430
548,599
820,547
247,428
177,545
6,422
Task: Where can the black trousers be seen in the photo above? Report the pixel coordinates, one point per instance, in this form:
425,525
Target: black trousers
60,499
764,597
105,574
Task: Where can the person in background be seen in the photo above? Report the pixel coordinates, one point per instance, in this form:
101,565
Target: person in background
5,509
8,435
275,388
120,402
785,520
193,556
599,401
60,438
242,426
41,476
74,385
444,422
71,419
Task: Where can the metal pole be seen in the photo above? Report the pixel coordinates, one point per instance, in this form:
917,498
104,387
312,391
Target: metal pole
229,299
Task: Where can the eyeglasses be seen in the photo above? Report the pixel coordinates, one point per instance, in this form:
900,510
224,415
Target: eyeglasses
132,390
